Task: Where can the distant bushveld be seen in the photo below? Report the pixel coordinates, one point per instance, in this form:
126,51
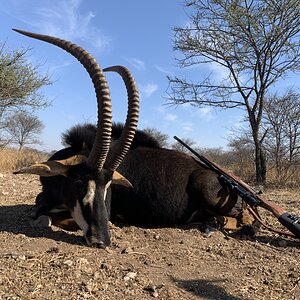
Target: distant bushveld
12,159
240,164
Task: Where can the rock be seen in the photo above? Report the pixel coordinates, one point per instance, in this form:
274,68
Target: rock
130,275
152,289
105,266
68,262
127,250
156,237
18,256
82,261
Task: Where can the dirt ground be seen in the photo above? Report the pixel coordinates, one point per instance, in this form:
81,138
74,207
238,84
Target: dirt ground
168,263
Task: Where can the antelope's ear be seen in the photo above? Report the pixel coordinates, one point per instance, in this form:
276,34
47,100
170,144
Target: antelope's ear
73,160
121,180
46,169
53,167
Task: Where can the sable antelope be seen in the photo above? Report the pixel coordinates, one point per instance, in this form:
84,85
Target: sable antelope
84,181
169,187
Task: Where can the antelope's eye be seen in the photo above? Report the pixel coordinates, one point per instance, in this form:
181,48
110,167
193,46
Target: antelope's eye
79,183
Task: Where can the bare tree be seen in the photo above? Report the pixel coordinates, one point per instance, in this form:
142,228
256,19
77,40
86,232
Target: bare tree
162,138
23,129
282,123
179,147
20,83
242,154
255,41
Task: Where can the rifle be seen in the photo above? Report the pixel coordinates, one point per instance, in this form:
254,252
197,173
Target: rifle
290,221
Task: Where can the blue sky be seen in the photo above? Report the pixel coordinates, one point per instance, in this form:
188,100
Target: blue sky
133,33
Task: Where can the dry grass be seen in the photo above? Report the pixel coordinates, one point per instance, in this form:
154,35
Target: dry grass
12,159
290,178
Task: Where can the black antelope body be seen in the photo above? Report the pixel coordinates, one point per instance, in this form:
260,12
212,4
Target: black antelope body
83,180
169,188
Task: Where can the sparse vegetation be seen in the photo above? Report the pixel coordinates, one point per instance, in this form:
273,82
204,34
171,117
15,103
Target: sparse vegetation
23,129
237,160
20,84
12,159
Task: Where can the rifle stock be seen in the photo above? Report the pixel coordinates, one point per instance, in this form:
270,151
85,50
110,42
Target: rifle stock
290,221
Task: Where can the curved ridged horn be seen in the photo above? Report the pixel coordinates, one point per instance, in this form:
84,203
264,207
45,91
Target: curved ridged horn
101,144
124,142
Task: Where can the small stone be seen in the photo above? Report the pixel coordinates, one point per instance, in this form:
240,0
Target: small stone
126,251
18,256
82,261
152,289
53,250
154,294
96,275
105,266
108,250
130,275
68,262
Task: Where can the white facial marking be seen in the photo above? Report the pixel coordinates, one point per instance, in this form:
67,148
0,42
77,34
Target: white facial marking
106,188
87,200
90,194
77,215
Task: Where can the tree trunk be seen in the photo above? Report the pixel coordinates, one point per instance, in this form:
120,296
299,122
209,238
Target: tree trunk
260,163
263,163
260,158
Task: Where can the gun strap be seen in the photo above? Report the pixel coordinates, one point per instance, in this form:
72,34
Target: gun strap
259,219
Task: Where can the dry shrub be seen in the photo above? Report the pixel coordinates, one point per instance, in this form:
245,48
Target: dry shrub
289,178
242,164
12,159
235,163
